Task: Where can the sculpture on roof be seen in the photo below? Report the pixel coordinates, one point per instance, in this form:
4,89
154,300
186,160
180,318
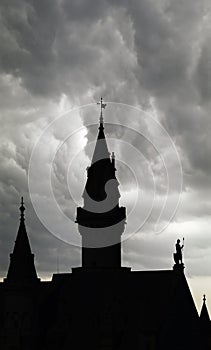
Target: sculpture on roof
178,254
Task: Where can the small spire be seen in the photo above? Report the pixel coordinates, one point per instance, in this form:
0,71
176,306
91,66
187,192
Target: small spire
102,106
204,315
22,209
21,268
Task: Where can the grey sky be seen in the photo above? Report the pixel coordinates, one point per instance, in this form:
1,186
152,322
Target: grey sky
56,55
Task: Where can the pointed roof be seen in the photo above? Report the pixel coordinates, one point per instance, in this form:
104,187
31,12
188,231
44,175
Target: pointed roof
22,245
101,148
21,266
204,315
102,169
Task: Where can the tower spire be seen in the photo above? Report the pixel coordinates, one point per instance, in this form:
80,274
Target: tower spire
21,268
101,221
22,209
102,106
204,315
101,149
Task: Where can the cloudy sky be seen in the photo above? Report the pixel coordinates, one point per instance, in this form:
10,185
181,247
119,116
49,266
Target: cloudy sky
151,61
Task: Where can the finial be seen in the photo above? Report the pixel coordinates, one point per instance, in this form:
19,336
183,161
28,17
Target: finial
204,298
102,106
22,209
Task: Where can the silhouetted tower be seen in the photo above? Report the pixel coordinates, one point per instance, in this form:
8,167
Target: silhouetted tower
21,268
101,220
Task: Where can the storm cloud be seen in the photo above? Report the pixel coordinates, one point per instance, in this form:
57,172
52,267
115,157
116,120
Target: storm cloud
56,56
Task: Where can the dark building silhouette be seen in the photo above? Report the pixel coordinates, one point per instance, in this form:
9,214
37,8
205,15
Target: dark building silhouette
101,221
100,305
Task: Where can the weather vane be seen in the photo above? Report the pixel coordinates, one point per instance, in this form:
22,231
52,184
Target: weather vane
102,106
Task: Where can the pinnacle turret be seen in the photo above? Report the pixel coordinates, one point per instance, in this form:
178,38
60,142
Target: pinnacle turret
21,268
204,316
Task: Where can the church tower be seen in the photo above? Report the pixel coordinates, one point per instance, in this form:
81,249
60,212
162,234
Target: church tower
22,268
101,221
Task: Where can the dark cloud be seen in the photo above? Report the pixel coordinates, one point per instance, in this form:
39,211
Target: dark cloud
85,11
56,55
203,72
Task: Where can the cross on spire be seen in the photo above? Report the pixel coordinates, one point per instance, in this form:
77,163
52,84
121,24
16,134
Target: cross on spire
102,106
204,298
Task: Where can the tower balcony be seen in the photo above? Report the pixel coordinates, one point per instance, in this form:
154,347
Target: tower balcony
105,219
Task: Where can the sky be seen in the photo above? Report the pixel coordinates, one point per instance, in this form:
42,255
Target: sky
151,62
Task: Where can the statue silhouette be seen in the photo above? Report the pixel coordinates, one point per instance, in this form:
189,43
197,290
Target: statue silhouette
178,254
